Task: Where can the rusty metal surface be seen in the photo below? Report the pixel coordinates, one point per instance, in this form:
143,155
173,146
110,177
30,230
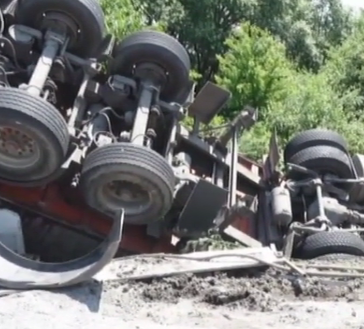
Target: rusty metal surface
49,202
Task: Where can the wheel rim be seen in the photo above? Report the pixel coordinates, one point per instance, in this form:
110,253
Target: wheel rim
18,150
54,19
128,195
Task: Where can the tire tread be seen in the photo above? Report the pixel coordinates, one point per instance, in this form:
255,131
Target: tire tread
332,242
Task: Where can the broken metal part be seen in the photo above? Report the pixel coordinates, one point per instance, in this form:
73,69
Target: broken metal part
244,120
195,144
50,203
145,90
17,272
208,103
190,223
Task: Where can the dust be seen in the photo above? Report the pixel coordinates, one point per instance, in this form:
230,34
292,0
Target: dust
262,290
250,300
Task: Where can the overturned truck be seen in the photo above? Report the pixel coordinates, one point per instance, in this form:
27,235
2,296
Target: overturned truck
315,207
92,145
91,139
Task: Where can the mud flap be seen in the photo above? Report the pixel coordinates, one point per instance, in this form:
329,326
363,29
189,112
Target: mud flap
17,272
201,209
208,102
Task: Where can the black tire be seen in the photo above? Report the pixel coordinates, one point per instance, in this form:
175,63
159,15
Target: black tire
339,257
330,242
314,137
86,30
25,115
131,164
160,49
324,160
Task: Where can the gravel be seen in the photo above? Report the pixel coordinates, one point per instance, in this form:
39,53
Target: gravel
239,300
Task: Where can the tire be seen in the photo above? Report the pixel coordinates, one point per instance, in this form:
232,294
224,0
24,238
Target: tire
314,137
332,242
84,19
324,160
131,164
29,119
338,257
160,49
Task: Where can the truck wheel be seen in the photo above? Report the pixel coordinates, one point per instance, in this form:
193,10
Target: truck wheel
162,50
133,177
34,138
314,137
330,242
83,19
324,160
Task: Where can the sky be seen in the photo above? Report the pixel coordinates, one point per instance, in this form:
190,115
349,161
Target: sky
355,4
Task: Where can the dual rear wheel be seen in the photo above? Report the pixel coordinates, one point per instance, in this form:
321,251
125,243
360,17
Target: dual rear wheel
133,177
34,137
324,152
34,142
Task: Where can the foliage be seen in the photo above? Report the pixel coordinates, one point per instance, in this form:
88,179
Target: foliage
121,17
346,67
254,69
212,241
300,62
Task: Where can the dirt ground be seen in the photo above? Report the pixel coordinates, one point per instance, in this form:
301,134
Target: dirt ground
261,299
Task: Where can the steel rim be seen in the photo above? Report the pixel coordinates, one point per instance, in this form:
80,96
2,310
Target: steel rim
127,195
18,150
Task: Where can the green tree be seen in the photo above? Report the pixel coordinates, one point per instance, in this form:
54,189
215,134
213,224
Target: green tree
307,28
346,69
300,62
254,69
201,26
308,102
121,17
257,72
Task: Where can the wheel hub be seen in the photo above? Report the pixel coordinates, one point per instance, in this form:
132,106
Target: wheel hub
128,195
62,23
151,72
17,149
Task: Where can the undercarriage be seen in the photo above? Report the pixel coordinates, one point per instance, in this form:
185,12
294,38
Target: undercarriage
93,145
91,139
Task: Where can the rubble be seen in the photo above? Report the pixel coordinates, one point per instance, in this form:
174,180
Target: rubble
238,299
